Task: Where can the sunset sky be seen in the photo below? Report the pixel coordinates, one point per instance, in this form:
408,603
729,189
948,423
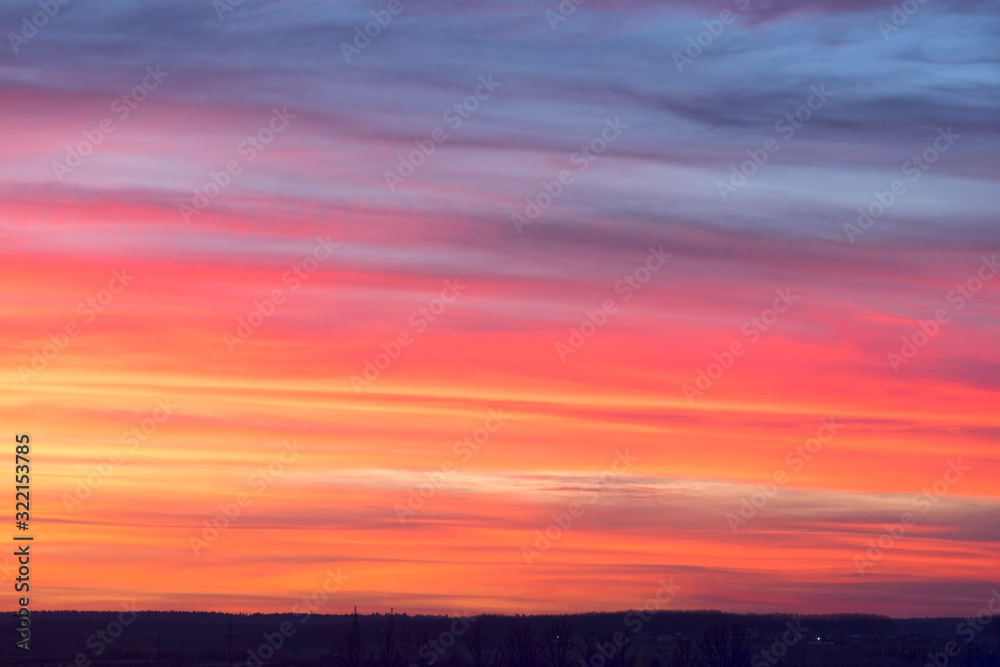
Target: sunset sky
400,304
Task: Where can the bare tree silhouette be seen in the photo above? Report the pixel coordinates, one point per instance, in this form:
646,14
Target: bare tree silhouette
408,648
624,652
590,652
351,651
684,654
558,643
613,650
480,646
725,646
520,646
387,650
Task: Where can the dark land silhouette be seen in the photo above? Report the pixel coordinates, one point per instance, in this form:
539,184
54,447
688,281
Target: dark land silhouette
621,639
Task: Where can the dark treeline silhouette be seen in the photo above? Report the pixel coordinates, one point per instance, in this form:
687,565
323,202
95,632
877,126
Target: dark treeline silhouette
625,639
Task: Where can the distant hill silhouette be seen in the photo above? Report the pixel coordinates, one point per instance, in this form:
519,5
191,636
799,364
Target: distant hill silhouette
623,639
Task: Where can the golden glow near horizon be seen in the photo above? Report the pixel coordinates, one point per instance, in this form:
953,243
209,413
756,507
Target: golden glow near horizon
478,471
261,332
